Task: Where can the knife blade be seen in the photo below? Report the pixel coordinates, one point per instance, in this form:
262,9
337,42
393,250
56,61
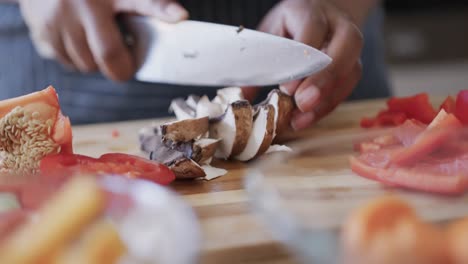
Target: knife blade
207,54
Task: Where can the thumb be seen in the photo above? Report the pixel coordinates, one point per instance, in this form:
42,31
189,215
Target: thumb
167,10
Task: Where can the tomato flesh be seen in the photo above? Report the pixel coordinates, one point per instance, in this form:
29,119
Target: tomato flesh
62,165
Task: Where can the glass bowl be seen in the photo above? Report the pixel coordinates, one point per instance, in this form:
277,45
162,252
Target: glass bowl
305,196
154,223
157,226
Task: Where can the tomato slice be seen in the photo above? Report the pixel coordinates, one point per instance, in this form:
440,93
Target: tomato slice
461,109
417,107
448,105
63,165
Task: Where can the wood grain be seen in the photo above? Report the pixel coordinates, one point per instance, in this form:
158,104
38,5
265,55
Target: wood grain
232,234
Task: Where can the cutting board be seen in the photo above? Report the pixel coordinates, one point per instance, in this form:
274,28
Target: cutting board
231,233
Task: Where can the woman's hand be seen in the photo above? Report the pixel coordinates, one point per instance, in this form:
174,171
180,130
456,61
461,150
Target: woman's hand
320,24
83,34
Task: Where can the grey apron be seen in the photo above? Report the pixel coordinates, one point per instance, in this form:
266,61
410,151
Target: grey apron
92,98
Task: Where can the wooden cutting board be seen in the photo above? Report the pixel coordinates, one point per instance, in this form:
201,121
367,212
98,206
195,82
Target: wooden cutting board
231,234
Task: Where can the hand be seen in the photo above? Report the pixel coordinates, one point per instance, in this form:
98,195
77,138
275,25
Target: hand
320,24
83,34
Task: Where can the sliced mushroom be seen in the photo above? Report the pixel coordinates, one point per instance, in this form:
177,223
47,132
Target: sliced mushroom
187,169
184,130
228,95
204,149
181,109
209,109
192,101
262,134
148,138
233,128
284,106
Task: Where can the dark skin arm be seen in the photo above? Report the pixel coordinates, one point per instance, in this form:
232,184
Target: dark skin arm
334,27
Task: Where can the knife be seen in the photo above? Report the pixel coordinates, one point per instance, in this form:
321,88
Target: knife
207,54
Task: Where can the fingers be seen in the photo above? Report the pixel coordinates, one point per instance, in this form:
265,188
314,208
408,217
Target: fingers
106,44
344,48
76,46
345,44
302,25
330,98
290,87
301,120
166,10
50,46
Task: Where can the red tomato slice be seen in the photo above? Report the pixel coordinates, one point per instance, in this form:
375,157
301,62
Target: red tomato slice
437,133
417,107
448,105
62,165
461,110
47,104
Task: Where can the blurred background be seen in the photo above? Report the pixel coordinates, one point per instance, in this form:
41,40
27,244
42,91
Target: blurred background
427,45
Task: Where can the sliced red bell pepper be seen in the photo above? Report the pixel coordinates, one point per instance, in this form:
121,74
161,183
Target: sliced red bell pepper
435,135
63,165
46,103
417,107
461,109
367,122
384,118
388,118
448,105
424,178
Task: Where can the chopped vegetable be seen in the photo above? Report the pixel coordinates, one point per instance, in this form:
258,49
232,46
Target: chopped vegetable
437,133
63,165
57,223
32,127
417,107
448,105
418,157
461,110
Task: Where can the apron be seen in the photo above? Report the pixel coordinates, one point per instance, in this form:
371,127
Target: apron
91,98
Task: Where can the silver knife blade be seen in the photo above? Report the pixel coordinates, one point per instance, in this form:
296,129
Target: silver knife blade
207,54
